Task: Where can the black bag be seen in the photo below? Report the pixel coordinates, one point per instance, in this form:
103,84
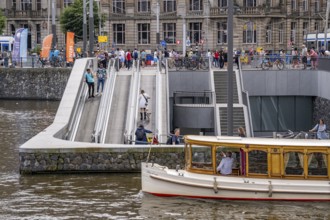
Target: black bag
169,140
140,134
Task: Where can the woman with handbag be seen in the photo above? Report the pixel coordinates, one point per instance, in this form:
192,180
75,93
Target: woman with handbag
143,104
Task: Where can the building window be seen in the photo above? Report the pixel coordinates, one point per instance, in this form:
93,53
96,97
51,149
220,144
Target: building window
305,28
196,5
281,33
250,3
195,32
68,3
169,32
119,33
38,30
169,5
305,5
25,5
249,33
293,5
317,164
118,6
222,32
143,33
293,32
12,29
316,6
14,5
316,27
143,6
269,34
38,5
222,3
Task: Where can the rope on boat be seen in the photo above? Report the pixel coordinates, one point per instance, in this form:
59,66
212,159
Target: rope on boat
148,154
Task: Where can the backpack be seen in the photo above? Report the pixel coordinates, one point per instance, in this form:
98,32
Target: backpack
135,55
169,140
140,134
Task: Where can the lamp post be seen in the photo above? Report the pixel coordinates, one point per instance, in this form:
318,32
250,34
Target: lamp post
157,34
53,23
230,69
84,29
91,28
99,15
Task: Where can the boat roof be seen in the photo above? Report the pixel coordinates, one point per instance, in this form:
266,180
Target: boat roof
259,141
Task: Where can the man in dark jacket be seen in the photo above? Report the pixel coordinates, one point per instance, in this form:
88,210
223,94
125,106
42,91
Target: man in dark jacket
141,135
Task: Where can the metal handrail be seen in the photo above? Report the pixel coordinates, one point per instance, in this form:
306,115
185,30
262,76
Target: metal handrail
103,105
245,99
78,106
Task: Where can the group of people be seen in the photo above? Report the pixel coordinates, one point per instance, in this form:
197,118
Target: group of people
101,75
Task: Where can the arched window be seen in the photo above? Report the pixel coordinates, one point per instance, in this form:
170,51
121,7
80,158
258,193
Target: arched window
317,164
294,163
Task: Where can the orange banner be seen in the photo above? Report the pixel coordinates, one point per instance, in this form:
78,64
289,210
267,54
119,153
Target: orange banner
69,47
46,45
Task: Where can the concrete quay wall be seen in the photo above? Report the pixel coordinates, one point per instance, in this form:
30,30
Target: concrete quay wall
98,160
33,83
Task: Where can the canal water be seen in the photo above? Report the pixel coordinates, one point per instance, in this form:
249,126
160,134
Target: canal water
105,196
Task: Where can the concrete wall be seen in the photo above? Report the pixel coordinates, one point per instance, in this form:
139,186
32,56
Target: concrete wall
97,159
191,81
33,83
287,83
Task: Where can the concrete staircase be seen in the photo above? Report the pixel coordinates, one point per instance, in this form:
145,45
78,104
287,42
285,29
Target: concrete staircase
220,86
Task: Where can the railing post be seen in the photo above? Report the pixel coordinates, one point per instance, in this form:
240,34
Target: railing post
21,62
32,61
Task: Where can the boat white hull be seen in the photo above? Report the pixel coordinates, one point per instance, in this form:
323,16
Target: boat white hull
161,181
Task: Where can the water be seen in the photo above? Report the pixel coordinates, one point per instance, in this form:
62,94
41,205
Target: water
105,196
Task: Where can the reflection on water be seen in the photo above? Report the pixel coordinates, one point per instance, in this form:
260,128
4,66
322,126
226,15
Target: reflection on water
105,196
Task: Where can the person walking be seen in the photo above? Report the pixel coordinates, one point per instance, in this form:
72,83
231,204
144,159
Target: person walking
141,135
101,76
128,59
304,56
320,130
143,104
90,82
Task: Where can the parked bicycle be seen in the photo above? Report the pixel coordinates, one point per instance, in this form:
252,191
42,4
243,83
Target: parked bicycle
267,63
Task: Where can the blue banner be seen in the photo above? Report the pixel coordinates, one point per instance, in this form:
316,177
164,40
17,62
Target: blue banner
17,43
23,45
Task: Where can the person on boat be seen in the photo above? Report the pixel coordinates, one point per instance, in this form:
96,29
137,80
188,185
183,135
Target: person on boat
241,132
320,130
226,165
141,135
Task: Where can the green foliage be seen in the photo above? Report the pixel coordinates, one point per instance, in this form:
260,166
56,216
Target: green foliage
72,18
37,49
2,23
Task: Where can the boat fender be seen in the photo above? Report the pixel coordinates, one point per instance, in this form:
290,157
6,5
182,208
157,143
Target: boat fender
270,188
215,185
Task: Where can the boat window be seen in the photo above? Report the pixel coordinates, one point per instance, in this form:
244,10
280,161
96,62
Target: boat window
294,163
258,162
235,154
317,164
201,157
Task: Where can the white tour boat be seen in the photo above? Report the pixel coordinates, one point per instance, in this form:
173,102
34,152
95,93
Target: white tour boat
262,169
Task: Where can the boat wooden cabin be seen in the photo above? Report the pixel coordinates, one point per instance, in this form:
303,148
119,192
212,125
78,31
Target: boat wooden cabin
260,157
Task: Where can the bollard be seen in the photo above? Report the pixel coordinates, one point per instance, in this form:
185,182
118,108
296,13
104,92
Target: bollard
32,61
21,62
5,62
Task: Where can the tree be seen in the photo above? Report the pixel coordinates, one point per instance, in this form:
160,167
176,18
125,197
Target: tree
72,19
2,23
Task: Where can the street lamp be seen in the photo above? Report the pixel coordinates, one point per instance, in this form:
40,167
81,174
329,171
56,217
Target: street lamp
230,69
99,14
